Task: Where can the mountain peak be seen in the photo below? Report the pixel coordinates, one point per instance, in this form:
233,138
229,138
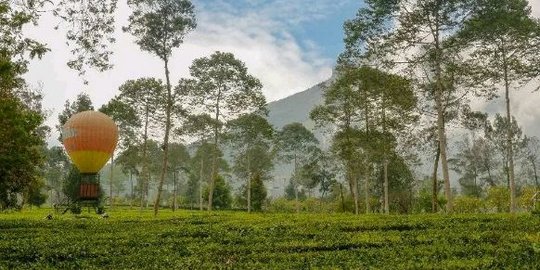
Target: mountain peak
296,108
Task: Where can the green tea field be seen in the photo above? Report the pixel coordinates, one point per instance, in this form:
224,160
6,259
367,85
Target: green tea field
232,240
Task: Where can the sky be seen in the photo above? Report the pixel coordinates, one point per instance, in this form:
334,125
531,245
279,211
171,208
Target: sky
290,45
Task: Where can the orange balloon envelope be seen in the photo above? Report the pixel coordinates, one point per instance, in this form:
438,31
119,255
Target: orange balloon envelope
90,138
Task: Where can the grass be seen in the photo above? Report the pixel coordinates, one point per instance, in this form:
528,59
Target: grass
220,240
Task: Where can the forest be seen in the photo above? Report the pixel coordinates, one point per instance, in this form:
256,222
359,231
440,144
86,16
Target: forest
401,132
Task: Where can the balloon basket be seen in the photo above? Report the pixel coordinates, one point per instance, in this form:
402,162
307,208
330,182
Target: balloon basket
89,190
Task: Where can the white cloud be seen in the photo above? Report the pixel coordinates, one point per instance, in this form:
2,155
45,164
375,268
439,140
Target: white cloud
535,4
524,102
258,34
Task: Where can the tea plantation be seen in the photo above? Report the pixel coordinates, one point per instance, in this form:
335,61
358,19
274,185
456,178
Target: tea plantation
232,240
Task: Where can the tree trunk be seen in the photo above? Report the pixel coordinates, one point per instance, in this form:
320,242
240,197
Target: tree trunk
214,157
509,136
385,161
131,190
201,179
535,175
168,109
353,186
297,202
439,103
443,155
249,186
111,181
367,172
174,191
435,184
145,173
366,190
386,200
342,197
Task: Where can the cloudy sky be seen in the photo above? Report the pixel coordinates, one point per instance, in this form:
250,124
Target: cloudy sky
289,45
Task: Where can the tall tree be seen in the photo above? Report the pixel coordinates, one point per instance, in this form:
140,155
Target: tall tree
504,53
80,104
342,108
250,136
199,127
143,96
224,89
497,133
127,120
56,165
202,157
421,31
21,147
467,164
22,122
319,172
178,160
129,159
295,143
159,27
394,103
532,152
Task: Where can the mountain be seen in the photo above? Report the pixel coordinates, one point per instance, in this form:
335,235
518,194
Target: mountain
295,108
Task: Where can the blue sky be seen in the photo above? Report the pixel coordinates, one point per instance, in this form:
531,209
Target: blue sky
316,23
327,32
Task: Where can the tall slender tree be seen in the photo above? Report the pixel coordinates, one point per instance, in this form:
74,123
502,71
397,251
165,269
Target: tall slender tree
179,158
421,31
504,53
127,120
80,104
394,103
224,89
250,136
142,95
199,127
497,133
532,152
159,27
341,108
295,143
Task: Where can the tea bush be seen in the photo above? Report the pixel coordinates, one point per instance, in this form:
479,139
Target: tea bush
237,240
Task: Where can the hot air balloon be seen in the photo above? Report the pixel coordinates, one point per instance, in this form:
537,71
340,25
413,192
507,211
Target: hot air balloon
89,138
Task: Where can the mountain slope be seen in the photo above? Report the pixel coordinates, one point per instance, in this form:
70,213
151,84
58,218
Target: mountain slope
295,108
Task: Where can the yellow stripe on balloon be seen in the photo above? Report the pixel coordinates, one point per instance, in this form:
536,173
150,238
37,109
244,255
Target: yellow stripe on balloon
89,161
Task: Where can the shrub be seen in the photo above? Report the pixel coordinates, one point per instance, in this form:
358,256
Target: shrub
282,205
422,202
314,205
344,205
526,200
75,208
258,194
36,197
498,198
468,204
222,198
